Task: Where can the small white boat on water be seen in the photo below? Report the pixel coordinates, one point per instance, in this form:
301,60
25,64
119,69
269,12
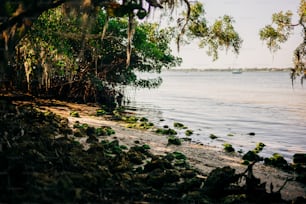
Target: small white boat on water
237,71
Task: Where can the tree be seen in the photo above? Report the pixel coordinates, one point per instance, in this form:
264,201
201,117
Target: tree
279,32
60,59
68,38
18,16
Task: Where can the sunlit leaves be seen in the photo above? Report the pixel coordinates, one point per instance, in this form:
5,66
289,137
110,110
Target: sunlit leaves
279,32
218,36
302,11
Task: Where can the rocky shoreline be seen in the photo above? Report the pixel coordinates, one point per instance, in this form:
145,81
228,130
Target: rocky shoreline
44,160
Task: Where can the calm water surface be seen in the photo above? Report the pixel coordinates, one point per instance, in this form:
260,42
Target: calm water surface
223,103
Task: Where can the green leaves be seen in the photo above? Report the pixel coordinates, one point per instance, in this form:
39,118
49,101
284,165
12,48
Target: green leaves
278,32
218,36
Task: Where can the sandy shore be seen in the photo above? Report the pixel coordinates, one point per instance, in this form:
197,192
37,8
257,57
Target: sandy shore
202,157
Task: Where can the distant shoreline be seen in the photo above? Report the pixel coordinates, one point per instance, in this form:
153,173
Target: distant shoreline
232,69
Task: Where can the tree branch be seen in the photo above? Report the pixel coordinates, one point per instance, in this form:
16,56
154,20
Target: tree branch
33,12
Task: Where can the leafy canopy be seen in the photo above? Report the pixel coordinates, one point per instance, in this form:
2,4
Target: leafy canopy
220,35
279,32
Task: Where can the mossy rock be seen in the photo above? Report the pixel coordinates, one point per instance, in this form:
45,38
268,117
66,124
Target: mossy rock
100,112
228,147
92,139
259,147
233,199
104,131
136,157
251,156
179,125
188,132
300,170
145,125
78,133
90,131
146,146
131,119
299,158
277,161
166,131
74,114
179,155
172,140
143,119
158,163
219,180
188,173
213,136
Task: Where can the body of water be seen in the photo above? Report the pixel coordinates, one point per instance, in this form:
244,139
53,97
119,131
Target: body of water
230,106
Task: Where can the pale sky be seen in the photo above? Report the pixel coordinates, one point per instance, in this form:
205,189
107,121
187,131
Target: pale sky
250,17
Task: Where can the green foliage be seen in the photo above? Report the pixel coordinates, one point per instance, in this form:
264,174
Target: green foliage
218,36
274,35
228,147
62,57
279,32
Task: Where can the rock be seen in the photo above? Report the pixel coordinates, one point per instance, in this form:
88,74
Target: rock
228,147
157,164
92,139
174,140
278,161
135,157
219,180
299,158
251,156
